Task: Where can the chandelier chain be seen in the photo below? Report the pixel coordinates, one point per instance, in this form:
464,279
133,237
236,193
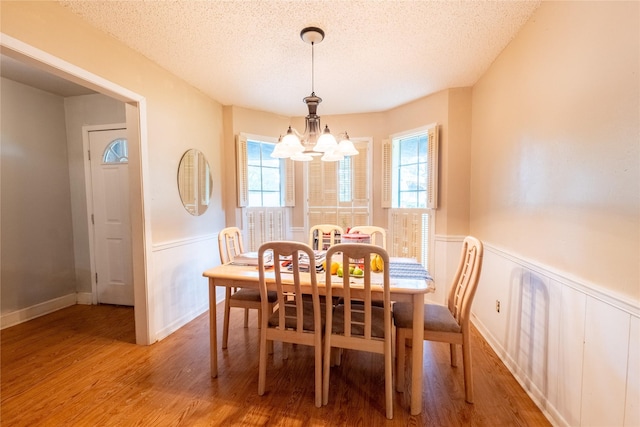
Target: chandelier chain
313,67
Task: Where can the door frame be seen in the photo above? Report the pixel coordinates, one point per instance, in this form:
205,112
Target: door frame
140,199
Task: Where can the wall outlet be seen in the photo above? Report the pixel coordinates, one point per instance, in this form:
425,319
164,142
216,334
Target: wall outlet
498,305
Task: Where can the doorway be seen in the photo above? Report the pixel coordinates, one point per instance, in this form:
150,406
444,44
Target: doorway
135,106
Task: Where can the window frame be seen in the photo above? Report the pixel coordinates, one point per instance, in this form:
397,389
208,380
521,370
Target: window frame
287,173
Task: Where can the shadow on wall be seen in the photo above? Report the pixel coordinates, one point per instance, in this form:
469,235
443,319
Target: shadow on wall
528,328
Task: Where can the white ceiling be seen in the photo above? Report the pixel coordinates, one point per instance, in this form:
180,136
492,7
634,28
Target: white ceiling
376,55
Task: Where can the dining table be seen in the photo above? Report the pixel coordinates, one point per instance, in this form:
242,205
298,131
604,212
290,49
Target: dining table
409,283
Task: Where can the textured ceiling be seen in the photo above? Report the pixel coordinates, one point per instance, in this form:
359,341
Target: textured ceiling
376,55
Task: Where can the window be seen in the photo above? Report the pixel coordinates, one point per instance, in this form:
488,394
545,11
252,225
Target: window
344,180
116,152
265,188
263,175
262,181
410,172
409,188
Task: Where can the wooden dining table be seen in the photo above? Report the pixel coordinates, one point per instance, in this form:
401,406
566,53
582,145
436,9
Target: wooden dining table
403,288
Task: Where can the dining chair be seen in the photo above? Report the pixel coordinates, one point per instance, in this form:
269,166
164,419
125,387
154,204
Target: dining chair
230,245
316,233
356,323
448,323
373,231
296,320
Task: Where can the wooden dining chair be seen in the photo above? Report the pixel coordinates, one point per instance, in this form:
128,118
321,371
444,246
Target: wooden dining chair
356,323
448,323
296,320
374,232
230,245
317,231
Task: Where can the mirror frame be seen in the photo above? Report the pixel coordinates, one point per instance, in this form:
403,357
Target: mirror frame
195,184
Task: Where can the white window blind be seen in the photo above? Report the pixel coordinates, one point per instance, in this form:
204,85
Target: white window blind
264,225
339,192
410,234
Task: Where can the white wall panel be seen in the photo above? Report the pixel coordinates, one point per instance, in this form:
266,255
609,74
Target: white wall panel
177,289
606,347
570,355
573,348
632,407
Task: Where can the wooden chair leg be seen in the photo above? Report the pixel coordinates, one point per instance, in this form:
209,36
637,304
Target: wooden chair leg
468,377
227,311
454,355
318,375
388,380
262,366
401,343
246,317
326,371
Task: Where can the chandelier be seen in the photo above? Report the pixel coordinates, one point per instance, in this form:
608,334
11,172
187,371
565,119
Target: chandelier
315,141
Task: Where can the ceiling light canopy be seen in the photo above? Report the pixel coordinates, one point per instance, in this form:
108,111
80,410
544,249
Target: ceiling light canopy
315,141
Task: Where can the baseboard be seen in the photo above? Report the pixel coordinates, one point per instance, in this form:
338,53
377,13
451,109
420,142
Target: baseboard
25,314
84,298
554,417
183,320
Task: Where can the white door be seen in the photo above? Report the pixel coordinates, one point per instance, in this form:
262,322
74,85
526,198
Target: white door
111,221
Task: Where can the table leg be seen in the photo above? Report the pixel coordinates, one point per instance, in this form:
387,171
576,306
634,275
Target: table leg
213,329
417,351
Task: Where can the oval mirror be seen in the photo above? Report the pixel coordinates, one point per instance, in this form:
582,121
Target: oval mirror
194,182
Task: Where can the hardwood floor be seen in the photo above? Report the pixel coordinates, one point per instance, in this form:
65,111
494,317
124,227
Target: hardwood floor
80,367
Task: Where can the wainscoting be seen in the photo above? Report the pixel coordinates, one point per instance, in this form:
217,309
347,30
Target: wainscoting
178,293
574,347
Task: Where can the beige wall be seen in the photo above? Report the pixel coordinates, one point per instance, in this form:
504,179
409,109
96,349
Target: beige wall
37,235
555,152
179,117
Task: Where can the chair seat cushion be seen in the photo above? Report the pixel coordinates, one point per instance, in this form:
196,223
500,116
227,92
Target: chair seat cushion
377,321
290,316
247,294
436,317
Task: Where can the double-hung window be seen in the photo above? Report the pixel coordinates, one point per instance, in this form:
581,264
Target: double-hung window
263,175
410,189
265,188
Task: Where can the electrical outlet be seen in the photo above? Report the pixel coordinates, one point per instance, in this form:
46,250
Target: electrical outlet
498,305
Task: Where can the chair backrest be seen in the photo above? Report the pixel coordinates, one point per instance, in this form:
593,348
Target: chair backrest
288,285
357,296
466,280
316,235
230,244
373,231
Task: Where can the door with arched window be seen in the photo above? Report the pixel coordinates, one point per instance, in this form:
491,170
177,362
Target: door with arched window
111,216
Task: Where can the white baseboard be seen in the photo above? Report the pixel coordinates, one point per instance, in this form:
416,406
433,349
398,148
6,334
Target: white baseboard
25,314
183,320
84,298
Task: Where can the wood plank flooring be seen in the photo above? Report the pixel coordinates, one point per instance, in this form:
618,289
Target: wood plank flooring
80,367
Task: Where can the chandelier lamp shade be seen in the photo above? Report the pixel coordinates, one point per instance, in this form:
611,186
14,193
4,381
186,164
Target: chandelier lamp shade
315,141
